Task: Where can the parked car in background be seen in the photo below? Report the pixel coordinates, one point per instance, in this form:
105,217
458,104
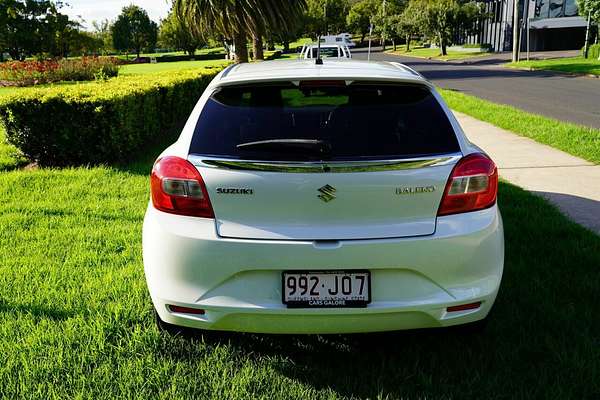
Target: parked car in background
342,39
326,51
322,198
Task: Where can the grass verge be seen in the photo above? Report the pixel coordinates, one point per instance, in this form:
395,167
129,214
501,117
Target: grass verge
574,139
573,65
76,319
434,53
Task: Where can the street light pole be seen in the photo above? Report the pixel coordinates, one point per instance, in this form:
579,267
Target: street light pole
370,37
587,35
516,27
384,26
325,16
527,37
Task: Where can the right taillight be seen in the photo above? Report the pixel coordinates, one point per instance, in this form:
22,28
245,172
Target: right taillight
472,186
178,188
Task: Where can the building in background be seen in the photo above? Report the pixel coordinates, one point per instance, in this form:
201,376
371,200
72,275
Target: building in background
553,25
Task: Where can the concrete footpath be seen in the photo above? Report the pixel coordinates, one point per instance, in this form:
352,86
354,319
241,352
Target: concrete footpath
572,184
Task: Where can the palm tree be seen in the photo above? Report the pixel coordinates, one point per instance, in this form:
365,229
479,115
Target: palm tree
239,19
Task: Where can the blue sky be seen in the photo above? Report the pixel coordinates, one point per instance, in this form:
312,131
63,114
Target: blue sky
91,10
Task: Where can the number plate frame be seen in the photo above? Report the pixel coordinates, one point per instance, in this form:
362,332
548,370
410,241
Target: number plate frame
305,303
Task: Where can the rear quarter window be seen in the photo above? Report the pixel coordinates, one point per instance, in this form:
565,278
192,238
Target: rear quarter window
356,122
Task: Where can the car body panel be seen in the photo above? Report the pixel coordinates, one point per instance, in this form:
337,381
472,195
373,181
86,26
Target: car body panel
413,279
237,280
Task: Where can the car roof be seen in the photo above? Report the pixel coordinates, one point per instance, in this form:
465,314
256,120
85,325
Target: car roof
306,69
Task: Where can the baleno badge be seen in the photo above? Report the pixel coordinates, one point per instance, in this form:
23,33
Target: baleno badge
327,193
415,190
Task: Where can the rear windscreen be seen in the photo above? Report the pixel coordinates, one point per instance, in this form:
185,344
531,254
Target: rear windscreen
323,121
325,52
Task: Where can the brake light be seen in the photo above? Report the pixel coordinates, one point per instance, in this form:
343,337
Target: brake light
464,307
186,310
472,186
178,188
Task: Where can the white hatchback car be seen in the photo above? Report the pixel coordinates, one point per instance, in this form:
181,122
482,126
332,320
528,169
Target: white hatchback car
333,198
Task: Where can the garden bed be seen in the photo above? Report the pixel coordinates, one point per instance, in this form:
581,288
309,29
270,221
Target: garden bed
30,73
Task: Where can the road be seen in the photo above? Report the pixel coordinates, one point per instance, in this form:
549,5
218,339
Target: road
567,98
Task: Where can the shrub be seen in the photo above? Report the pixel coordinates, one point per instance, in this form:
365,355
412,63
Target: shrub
28,73
99,122
593,52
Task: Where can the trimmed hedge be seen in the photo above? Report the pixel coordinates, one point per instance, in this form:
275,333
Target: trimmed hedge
99,122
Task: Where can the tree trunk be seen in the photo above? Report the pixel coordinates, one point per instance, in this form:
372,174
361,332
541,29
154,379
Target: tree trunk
443,45
241,51
286,46
394,44
362,37
257,47
407,43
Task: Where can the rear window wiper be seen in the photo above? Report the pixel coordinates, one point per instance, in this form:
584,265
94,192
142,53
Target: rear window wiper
320,146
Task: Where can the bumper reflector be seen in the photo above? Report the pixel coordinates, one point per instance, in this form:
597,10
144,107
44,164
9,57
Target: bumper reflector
464,307
186,310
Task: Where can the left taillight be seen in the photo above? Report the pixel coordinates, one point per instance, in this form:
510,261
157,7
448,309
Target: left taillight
177,188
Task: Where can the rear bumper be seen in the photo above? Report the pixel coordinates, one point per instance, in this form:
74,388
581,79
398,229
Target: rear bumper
238,282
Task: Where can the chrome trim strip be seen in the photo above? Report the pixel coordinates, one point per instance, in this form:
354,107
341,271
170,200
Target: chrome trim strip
323,166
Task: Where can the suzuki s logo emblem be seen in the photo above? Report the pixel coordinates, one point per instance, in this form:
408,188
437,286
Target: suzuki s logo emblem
327,193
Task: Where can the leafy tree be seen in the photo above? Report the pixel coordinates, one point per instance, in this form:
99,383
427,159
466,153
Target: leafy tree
60,35
236,20
102,32
440,18
134,30
409,23
361,16
22,26
174,33
81,42
324,16
591,7
386,16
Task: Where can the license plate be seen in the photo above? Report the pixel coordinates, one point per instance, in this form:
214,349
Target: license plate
318,289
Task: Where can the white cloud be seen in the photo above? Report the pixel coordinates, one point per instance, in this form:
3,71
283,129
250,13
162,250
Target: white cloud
96,10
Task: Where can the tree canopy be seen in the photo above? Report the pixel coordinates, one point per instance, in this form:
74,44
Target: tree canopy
236,20
175,33
591,7
134,30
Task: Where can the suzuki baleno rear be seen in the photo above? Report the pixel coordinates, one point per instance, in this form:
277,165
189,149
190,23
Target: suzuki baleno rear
334,198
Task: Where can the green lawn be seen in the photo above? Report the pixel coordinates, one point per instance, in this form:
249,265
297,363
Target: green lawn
577,65
175,53
76,319
136,69
574,139
434,53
